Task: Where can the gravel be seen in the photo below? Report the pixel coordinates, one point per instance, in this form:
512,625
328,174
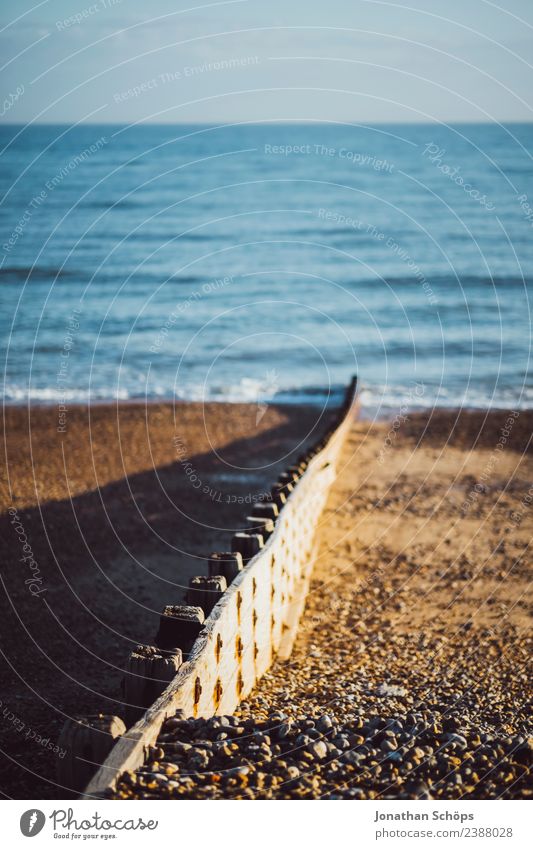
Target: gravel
352,759
459,728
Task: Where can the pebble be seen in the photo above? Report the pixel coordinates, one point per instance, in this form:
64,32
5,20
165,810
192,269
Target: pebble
324,723
319,750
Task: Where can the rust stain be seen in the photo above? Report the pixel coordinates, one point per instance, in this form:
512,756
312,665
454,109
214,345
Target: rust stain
217,693
197,694
218,647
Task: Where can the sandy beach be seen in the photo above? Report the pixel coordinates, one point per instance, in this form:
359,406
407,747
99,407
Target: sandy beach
103,523
410,677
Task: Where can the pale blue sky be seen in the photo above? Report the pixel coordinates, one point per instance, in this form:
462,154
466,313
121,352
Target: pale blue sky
368,61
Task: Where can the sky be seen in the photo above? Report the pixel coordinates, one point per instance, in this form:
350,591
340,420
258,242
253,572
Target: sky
365,61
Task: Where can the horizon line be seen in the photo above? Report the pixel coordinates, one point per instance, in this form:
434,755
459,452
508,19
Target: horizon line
287,122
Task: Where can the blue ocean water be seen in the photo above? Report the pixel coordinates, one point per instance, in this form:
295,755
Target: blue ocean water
267,262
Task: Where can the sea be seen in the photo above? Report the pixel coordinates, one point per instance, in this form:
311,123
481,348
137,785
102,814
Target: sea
267,263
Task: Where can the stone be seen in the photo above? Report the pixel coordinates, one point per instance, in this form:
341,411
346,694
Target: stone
325,723
319,749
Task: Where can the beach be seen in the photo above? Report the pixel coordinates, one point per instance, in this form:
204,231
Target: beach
266,506
409,678
419,593
103,523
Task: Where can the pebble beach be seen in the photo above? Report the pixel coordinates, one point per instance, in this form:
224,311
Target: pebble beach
410,677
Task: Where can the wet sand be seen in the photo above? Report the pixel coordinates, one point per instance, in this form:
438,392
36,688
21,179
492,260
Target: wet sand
103,523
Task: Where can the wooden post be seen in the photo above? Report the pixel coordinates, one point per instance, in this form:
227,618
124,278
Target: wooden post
247,544
148,671
180,625
268,509
260,525
84,744
279,495
288,478
227,563
205,592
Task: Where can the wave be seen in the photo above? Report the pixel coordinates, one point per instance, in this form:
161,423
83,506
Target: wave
18,273
444,280
383,401
112,204
45,273
377,400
